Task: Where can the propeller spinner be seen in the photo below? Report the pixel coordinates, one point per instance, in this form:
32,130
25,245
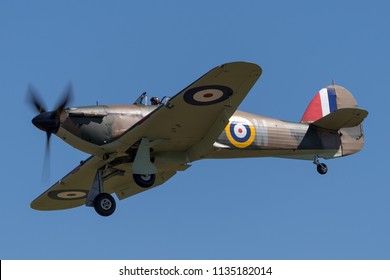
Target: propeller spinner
48,121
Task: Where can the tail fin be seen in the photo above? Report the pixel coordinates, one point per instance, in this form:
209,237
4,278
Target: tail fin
326,101
334,108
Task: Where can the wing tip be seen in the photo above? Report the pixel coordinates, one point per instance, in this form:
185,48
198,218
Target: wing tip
245,64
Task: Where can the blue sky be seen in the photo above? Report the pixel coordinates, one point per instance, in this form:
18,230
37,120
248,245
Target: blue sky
262,208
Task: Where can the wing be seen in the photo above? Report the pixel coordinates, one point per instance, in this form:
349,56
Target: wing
193,119
72,190
190,122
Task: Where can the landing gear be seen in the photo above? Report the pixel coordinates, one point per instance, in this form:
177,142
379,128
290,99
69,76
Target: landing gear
321,167
104,204
144,181
144,171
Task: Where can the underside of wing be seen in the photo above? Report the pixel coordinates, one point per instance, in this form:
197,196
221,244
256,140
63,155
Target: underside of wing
193,119
72,190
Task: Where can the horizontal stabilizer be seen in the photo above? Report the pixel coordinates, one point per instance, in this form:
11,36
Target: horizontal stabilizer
345,117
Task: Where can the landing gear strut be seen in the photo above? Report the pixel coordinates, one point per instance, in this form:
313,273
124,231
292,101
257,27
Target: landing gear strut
321,167
103,203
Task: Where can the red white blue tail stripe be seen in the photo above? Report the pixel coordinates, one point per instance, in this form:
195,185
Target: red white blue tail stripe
322,104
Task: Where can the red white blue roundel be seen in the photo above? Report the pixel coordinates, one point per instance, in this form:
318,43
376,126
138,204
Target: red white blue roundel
207,95
240,132
68,194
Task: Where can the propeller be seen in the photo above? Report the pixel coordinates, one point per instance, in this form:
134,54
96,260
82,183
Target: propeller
48,121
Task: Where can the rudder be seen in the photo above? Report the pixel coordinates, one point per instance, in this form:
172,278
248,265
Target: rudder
326,101
334,108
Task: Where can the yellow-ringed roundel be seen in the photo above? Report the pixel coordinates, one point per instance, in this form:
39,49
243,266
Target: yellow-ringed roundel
240,132
68,194
207,95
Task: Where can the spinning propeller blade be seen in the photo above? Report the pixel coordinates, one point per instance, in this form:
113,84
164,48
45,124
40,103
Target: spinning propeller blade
34,100
48,121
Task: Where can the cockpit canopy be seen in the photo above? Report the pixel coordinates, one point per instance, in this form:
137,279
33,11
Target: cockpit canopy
154,101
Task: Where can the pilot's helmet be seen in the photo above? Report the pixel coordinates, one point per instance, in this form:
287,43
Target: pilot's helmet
155,101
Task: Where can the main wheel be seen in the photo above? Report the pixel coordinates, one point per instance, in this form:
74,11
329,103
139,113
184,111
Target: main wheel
322,168
104,204
144,181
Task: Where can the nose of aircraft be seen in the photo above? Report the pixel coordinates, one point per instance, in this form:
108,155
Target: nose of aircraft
47,121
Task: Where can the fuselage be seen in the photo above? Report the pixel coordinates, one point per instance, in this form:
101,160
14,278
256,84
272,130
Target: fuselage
91,128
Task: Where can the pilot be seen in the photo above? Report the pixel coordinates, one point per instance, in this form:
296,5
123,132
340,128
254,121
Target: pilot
155,101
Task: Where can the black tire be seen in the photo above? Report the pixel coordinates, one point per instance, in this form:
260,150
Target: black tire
144,181
104,204
322,168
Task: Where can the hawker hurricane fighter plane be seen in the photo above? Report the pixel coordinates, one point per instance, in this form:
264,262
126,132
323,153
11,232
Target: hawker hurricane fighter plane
137,147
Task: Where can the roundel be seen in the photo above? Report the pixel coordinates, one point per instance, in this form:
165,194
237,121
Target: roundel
68,194
207,95
240,132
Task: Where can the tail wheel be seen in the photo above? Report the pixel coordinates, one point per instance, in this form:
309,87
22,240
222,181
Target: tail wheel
144,181
104,204
322,168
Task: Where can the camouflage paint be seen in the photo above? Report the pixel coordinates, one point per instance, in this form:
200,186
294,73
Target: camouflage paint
90,128
199,122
